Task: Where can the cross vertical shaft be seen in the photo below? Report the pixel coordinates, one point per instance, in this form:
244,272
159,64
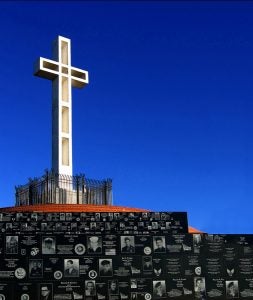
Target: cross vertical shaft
62,111
63,77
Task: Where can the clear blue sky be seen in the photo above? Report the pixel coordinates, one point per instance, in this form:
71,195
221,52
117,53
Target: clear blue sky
168,111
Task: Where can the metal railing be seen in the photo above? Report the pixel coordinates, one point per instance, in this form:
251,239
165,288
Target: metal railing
54,188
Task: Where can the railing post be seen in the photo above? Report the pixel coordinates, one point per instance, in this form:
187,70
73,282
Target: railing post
77,189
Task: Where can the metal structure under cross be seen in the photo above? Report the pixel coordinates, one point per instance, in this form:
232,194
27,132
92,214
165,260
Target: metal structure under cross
63,77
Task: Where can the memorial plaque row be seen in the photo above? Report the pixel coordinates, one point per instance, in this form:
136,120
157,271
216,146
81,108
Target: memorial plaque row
140,288
198,266
92,222
102,244
180,265
58,243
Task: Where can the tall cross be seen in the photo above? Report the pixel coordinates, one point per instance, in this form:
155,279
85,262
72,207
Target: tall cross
63,77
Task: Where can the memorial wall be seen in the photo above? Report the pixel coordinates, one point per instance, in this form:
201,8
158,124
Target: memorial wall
57,256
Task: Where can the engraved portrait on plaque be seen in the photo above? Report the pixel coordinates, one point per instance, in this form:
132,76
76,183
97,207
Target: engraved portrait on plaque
48,245
113,287
159,244
232,290
159,289
200,287
94,244
35,268
46,292
105,267
127,244
90,288
11,244
71,267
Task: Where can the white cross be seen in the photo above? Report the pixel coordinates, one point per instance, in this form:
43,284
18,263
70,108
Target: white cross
63,77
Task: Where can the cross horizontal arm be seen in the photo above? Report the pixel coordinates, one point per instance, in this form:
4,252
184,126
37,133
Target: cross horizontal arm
50,69
46,68
79,78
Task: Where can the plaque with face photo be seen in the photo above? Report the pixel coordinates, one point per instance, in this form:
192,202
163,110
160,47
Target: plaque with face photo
71,267
127,244
48,245
90,288
159,289
35,268
27,227
232,289
105,267
9,227
62,217
159,245
145,216
113,287
117,216
199,287
11,244
197,242
94,244
68,216
46,291
20,217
